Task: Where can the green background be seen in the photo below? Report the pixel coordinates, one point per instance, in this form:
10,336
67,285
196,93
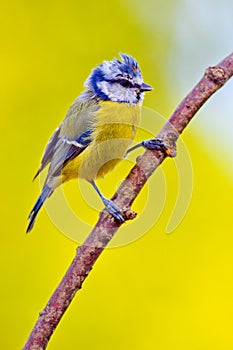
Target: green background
162,291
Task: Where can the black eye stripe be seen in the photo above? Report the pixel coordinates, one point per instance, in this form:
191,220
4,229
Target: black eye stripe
125,83
128,84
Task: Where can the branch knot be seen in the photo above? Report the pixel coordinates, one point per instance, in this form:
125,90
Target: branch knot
217,75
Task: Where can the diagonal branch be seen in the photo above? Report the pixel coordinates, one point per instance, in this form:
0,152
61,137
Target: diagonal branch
213,79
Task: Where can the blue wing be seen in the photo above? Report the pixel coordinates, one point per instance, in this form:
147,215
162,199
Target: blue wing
67,150
71,137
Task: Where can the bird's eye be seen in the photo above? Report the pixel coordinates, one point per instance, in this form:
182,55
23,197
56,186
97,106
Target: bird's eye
126,83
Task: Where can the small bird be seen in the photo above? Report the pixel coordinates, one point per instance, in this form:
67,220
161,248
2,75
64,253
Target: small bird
97,130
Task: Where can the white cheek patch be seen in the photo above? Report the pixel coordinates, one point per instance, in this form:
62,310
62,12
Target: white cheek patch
104,87
118,93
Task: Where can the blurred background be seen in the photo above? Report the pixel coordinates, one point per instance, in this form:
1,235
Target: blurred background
158,291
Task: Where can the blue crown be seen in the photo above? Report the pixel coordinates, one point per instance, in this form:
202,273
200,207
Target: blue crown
128,66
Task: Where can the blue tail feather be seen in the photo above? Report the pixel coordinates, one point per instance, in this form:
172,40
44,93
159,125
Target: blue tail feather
46,192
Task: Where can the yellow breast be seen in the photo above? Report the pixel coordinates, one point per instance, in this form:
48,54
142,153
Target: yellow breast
114,130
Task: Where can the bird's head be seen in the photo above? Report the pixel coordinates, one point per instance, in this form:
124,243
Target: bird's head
118,81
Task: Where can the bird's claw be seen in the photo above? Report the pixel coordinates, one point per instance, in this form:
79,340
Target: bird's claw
160,145
114,210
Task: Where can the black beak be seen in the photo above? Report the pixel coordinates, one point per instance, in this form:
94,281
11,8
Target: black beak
145,87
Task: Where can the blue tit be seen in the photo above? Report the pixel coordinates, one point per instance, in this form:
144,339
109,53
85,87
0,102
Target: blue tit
97,130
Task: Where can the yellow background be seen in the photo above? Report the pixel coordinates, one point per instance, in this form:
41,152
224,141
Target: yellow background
160,292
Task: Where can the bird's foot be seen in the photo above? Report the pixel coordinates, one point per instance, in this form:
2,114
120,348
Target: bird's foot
114,210
160,145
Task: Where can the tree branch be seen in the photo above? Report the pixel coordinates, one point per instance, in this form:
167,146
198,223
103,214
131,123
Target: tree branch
106,227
